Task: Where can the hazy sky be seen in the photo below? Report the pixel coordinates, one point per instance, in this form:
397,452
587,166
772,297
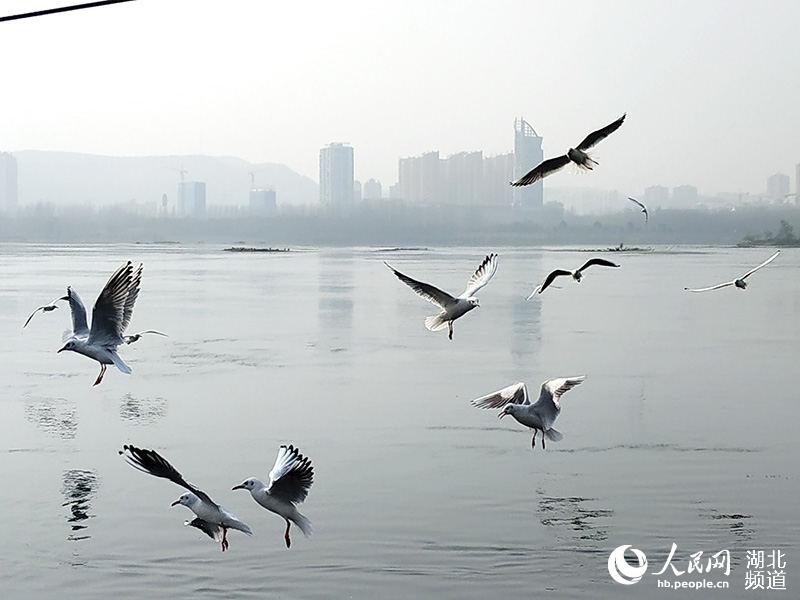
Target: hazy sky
711,88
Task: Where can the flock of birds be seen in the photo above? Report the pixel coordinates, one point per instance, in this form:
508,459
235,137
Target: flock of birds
292,475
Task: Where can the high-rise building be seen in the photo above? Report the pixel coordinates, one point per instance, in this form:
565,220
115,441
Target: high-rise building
684,196
656,196
498,171
463,176
778,186
373,190
263,203
356,191
192,199
336,179
8,182
527,154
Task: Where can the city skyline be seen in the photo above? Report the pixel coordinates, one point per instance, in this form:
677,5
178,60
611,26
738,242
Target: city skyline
144,105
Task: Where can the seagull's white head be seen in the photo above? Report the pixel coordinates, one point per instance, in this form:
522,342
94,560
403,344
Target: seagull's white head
508,409
247,484
70,346
186,499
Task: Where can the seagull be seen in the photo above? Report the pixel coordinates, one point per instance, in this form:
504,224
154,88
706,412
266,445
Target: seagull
130,339
739,283
576,275
289,481
577,155
49,307
539,416
642,206
110,317
211,519
452,308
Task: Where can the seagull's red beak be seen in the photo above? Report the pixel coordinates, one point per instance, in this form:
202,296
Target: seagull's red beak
502,414
238,487
61,349
178,501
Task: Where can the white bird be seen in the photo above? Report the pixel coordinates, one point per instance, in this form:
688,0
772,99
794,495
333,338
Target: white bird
539,416
289,481
576,275
739,283
212,519
129,339
578,155
640,205
110,317
452,307
49,307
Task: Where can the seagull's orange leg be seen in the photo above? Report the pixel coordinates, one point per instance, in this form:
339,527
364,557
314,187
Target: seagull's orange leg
286,534
450,329
100,376
224,543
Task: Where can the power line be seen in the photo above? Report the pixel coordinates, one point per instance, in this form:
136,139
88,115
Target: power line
60,9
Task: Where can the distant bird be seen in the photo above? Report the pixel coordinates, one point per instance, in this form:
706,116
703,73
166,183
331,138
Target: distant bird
739,283
289,481
642,206
539,416
130,339
51,306
576,275
211,519
577,155
110,317
452,308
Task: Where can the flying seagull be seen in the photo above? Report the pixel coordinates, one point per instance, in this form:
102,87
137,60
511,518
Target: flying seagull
576,275
640,205
539,416
739,283
289,481
577,155
110,317
452,308
129,339
49,307
211,517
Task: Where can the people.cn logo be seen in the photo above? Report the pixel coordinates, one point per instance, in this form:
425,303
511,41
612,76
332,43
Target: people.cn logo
623,572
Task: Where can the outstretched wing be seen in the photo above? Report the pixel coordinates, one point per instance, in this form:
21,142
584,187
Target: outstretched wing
635,201
108,315
133,293
129,339
46,308
78,310
513,394
764,264
598,136
292,475
550,278
151,462
542,170
481,276
599,262
548,405
426,290
713,287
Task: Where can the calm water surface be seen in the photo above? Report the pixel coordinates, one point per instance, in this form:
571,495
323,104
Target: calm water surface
685,430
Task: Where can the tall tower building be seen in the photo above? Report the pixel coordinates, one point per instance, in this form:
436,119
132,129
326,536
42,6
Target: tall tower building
778,186
192,199
8,182
336,181
527,154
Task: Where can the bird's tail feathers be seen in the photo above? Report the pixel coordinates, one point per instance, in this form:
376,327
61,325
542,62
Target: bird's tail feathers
436,322
554,435
237,524
303,524
120,364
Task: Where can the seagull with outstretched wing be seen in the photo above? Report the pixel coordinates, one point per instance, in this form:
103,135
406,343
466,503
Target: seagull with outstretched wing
212,519
289,481
578,155
576,275
739,283
538,416
640,205
452,307
130,339
110,318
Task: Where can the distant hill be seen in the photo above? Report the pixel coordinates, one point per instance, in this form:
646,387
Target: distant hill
72,178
